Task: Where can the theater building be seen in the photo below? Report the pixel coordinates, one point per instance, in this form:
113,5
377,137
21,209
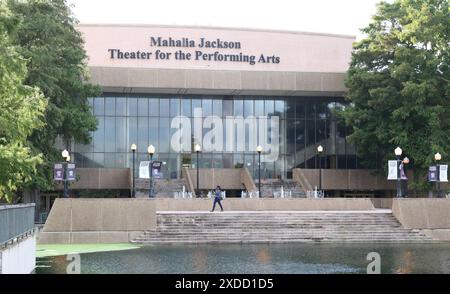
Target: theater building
227,90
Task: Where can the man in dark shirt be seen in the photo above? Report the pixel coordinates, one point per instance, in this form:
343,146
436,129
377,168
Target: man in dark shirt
217,198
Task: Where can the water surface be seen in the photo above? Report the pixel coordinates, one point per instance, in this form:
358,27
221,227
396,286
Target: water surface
260,259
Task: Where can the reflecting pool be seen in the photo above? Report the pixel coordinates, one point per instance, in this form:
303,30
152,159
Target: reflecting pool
260,259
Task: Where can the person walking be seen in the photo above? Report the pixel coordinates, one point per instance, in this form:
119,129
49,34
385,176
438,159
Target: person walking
217,198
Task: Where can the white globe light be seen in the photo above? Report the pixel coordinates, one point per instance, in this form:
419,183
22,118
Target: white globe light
320,148
65,153
259,149
398,151
197,148
151,149
437,156
133,147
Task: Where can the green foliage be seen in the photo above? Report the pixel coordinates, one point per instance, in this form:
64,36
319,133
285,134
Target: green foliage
47,38
21,112
399,85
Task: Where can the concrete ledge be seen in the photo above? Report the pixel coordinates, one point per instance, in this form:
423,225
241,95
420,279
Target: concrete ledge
422,213
438,234
238,204
54,238
105,237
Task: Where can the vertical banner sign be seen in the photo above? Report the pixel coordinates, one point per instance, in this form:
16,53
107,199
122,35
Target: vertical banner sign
443,173
144,170
432,173
71,176
156,169
392,170
58,172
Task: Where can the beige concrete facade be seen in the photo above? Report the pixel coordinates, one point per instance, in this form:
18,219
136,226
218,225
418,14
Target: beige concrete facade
309,63
192,81
342,179
297,51
101,178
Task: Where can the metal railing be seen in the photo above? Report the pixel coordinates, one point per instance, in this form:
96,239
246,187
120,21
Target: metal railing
15,220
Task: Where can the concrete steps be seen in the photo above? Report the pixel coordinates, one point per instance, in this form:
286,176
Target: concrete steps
277,227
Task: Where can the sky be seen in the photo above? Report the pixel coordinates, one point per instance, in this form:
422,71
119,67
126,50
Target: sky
345,17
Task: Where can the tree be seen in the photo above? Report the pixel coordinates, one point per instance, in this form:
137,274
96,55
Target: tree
48,39
398,85
21,112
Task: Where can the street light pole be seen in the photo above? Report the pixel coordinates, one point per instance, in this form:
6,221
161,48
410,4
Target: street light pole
259,150
319,151
398,152
133,149
437,158
405,162
151,151
197,149
66,156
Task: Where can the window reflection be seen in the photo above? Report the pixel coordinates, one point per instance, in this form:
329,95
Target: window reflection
174,107
110,106
238,107
99,106
259,108
143,107
153,107
132,106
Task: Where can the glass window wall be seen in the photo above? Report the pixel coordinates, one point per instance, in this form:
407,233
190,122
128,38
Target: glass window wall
304,123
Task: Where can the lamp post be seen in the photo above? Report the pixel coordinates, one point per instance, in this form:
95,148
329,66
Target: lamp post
437,158
151,151
133,149
259,150
197,149
66,156
398,152
319,151
405,162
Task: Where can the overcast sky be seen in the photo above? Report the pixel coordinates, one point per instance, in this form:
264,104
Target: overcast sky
326,16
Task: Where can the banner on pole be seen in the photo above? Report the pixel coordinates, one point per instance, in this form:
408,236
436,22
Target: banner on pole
156,169
432,173
58,172
392,170
443,170
144,170
71,176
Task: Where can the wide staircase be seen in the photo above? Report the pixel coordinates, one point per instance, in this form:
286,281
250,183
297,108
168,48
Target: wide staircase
271,188
162,188
267,227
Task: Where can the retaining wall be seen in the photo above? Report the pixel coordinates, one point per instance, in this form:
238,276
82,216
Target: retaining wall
98,220
431,215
